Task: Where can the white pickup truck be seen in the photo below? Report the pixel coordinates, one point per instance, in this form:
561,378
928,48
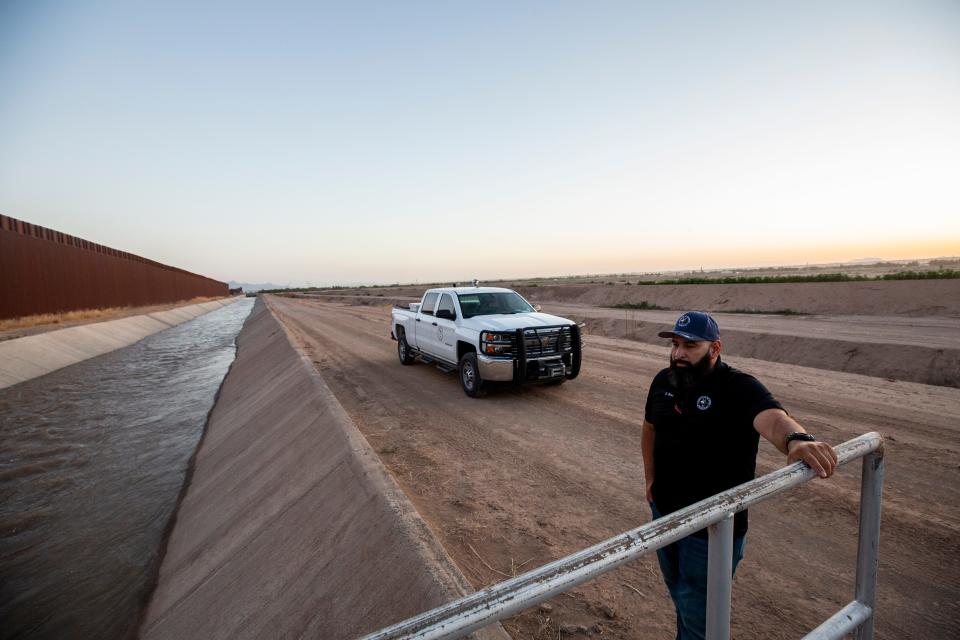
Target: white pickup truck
488,334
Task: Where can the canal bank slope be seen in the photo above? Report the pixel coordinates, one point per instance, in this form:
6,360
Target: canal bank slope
290,525
32,356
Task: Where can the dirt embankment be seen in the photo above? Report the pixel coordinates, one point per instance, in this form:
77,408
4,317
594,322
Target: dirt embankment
880,298
924,350
525,476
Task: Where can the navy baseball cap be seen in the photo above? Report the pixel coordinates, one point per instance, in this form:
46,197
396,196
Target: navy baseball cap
694,325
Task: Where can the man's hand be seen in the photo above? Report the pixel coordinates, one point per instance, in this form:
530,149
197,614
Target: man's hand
775,425
819,456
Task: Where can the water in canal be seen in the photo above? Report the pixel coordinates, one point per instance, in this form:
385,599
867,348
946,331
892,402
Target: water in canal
92,461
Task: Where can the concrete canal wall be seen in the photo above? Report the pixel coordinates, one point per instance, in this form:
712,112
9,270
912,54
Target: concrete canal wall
29,357
290,526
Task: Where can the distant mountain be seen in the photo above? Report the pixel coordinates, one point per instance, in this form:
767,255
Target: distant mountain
252,287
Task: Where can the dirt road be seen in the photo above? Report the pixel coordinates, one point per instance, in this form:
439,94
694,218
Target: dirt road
525,476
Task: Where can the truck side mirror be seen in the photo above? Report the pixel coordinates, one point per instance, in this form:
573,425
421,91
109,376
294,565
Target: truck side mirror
446,314
536,307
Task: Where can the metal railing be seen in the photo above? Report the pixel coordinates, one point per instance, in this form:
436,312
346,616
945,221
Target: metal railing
457,619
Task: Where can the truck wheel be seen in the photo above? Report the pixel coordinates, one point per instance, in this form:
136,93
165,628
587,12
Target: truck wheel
403,350
470,375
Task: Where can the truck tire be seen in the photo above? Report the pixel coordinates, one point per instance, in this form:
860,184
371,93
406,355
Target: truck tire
470,375
403,350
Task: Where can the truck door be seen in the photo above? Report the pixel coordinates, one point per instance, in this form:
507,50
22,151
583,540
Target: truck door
426,331
446,329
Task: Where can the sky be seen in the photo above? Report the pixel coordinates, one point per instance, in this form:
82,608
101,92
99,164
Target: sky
312,143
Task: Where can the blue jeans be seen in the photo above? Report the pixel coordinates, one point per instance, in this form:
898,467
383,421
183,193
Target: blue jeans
684,568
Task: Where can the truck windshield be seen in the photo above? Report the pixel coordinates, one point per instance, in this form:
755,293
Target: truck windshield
488,304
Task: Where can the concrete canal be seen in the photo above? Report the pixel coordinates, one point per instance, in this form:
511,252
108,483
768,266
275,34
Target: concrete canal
93,458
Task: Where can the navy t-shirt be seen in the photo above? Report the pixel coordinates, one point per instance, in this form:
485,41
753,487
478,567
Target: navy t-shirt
704,440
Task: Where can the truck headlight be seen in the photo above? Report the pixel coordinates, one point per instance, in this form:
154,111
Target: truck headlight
496,344
497,349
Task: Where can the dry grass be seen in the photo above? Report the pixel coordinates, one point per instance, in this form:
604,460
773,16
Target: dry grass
81,316
57,318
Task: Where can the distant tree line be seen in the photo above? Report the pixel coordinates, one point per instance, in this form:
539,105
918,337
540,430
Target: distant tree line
283,290
940,274
823,277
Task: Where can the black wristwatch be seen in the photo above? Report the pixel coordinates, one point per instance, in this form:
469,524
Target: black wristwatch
797,435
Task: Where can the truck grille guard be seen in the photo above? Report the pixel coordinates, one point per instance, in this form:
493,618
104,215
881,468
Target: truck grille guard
536,343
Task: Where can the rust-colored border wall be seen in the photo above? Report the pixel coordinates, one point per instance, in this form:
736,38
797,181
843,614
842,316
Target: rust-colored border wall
46,271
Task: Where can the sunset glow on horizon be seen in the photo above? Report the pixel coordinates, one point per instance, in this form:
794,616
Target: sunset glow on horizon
377,143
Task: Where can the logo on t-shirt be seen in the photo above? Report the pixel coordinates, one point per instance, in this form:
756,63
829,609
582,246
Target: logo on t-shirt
704,402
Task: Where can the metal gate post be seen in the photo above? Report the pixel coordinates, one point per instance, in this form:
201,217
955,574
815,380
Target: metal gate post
719,579
868,548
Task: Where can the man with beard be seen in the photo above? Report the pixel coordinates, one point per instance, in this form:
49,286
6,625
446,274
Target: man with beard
701,429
